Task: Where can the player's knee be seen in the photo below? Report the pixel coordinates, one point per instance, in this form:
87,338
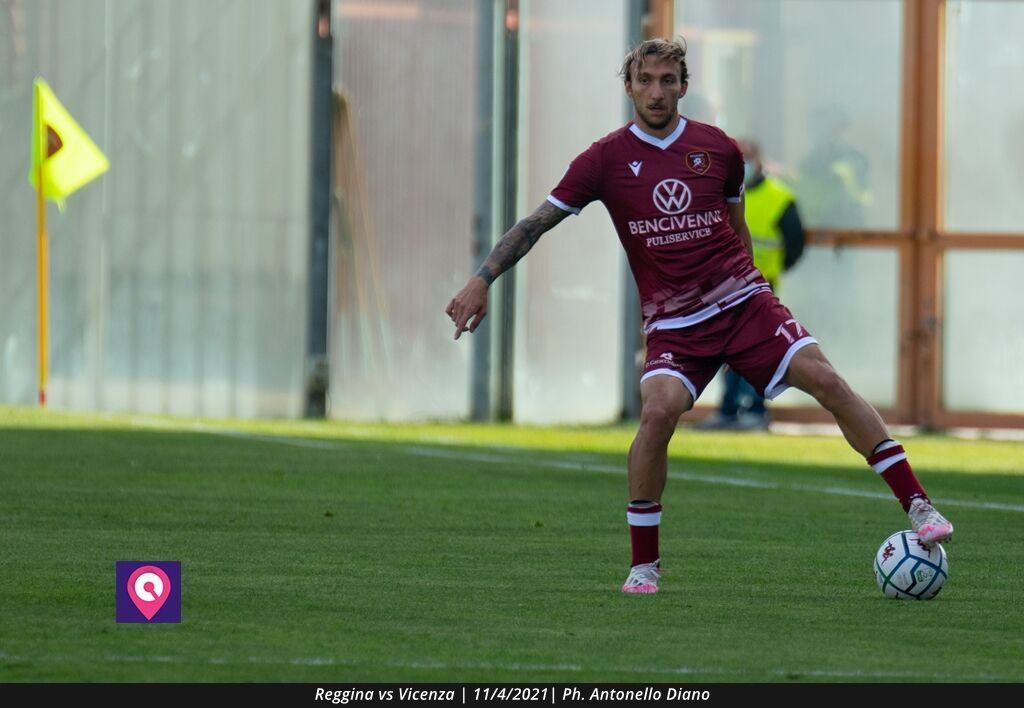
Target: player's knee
829,388
659,419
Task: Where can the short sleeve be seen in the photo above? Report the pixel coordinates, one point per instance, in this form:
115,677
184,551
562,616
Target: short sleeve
734,172
580,184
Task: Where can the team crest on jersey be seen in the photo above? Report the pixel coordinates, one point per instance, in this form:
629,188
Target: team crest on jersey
699,161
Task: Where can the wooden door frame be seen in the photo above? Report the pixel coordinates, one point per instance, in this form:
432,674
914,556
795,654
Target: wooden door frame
927,23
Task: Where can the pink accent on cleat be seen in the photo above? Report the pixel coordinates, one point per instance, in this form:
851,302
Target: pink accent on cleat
931,526
643,579
935,533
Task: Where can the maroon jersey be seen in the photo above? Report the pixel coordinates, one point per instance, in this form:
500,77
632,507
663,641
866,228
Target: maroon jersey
667,198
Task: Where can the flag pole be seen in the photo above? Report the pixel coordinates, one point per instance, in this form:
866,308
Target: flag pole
43,258
79,161
41,250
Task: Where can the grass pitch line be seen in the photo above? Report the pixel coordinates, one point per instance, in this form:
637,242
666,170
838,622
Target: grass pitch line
581,466
298,442
791,674
578,466
709,479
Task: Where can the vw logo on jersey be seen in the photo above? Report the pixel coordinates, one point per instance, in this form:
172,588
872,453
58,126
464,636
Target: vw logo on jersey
671,196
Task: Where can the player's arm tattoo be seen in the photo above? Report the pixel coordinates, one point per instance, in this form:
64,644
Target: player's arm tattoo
518,240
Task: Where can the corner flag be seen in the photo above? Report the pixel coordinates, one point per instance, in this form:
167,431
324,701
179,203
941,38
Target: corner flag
69,158
63,159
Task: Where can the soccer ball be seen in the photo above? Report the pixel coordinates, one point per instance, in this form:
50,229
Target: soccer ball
905,569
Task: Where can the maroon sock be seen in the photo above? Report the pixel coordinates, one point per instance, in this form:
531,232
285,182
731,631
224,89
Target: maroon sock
889,460
644,518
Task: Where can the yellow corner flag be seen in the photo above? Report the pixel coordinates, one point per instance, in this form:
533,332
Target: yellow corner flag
63,159
68,156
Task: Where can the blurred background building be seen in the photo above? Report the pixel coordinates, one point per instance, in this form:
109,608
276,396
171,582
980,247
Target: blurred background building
187,280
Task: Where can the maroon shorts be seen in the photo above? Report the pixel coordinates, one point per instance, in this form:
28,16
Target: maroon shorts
756,338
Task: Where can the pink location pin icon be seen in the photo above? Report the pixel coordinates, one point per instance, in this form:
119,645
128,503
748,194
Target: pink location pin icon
149,587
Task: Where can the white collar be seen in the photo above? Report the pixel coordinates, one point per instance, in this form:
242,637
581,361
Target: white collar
663,143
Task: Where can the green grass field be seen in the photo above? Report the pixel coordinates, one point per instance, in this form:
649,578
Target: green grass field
329,552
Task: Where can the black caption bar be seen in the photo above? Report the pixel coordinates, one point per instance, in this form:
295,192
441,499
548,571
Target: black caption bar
466,694
473,695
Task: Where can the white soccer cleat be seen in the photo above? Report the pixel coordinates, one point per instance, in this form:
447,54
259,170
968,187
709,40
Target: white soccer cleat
931,526
643,579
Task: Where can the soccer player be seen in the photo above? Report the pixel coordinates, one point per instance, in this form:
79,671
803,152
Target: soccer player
674,190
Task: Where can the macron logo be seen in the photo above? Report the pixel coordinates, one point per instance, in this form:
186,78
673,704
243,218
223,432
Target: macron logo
635,166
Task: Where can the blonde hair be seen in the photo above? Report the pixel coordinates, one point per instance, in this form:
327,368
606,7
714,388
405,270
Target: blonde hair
674,49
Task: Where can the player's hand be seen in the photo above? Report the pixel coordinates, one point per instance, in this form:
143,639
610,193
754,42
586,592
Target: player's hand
470,303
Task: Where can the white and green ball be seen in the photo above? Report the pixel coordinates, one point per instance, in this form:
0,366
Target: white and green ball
906,569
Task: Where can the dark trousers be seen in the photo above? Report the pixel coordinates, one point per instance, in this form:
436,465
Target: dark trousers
740,395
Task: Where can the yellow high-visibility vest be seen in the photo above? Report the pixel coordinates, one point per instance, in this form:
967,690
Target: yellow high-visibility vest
765,205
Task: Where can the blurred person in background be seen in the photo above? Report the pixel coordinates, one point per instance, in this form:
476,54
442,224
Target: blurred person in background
834,176
674,190
778,239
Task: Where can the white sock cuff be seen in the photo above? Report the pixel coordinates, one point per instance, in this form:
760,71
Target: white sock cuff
888,462
885,446
649,519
